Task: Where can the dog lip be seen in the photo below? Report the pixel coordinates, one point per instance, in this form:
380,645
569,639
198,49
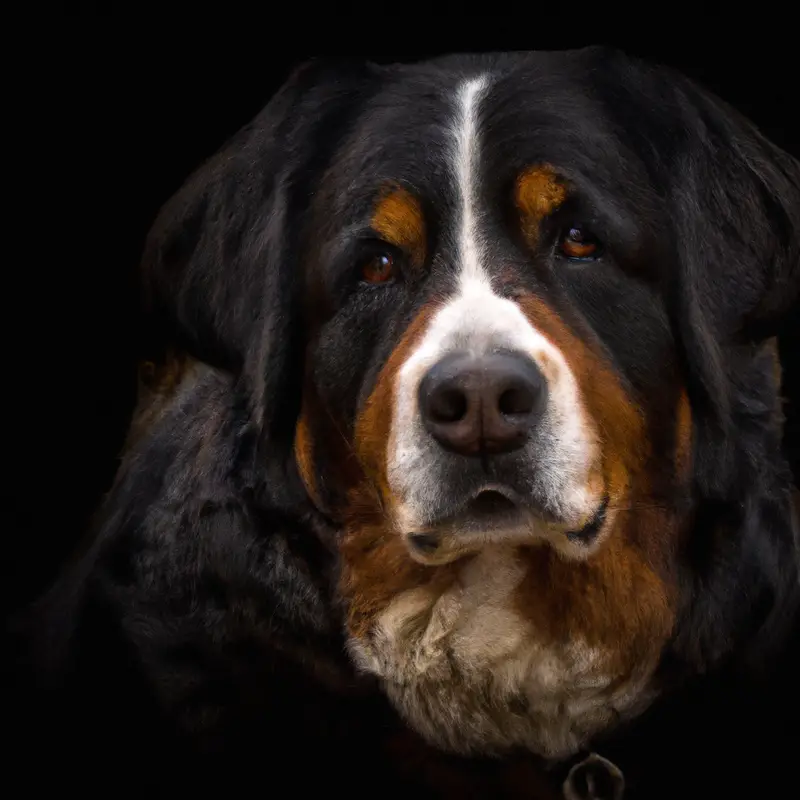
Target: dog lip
491,501
424,542
493,505
588,533
490,504
465,531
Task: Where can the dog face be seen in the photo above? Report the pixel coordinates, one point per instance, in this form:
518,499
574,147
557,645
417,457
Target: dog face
476,323
490,309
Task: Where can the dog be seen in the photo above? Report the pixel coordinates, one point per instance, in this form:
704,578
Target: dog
458,451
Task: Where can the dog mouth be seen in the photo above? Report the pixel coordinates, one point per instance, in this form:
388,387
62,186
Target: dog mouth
497,514
492,508
589,532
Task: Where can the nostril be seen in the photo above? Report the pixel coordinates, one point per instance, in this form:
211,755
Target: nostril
448,405
481,405
516,401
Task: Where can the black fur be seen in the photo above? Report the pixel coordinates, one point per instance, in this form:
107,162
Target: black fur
198,635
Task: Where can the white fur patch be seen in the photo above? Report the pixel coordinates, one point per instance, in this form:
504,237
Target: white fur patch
469,673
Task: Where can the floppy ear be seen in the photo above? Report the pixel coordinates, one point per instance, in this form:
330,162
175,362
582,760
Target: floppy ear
737,218
221,266
735,203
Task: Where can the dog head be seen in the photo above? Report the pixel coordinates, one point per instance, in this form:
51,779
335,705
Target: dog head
508,319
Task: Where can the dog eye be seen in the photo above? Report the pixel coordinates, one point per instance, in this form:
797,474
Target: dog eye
578,244
378,268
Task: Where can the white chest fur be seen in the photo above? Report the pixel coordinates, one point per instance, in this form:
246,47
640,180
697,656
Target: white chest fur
467,671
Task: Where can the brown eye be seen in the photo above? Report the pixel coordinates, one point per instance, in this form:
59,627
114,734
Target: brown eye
578,244
378,269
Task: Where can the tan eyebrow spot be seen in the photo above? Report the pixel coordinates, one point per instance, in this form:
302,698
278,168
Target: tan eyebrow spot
537,194
304,455
398,219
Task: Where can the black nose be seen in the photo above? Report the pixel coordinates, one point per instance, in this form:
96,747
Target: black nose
482,405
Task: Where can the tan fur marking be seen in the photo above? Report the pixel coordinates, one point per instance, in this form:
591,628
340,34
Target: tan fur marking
537,194
157,384
620,424
376,563
398,219
619,600
683,434
614,601
304,455
773,345
374,422
162,378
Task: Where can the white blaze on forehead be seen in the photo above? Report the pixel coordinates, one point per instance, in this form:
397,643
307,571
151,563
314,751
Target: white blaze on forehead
476,320
465,159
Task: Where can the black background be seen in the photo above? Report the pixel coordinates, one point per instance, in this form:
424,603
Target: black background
115,112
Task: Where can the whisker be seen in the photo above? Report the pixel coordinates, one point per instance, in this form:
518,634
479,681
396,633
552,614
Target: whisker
649,507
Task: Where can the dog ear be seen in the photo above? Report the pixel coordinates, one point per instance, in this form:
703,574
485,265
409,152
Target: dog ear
735,204
221,265
734,198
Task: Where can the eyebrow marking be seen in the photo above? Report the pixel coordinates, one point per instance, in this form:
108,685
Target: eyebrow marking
398,218
538,192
